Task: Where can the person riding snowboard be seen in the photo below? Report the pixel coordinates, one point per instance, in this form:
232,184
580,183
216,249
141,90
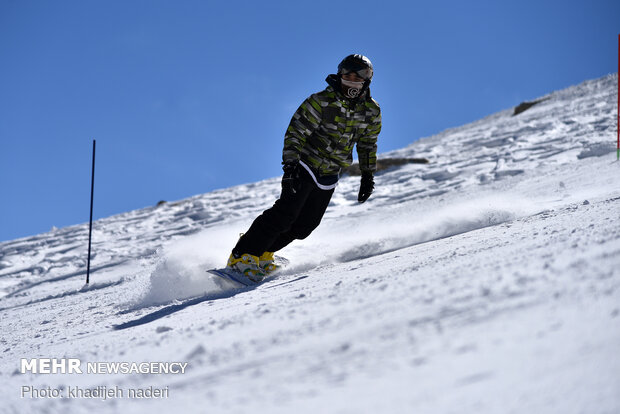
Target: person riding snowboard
317,145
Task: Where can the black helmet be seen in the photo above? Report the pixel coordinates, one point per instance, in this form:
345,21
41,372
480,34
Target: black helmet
356,63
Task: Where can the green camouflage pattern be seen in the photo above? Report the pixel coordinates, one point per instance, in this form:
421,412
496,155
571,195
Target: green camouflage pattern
326,127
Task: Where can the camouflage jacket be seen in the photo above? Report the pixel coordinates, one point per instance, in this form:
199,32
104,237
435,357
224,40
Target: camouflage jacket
325,128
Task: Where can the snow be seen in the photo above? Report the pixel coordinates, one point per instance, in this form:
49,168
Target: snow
486,281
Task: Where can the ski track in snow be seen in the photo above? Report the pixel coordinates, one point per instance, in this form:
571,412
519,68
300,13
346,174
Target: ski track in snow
486,281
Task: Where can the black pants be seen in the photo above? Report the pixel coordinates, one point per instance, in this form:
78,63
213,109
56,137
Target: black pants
293,216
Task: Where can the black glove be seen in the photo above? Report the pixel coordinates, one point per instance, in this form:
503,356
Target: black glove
366,187
290,181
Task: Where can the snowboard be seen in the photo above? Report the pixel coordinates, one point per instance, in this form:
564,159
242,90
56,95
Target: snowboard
236,277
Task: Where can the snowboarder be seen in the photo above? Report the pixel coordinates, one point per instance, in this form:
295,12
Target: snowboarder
317,145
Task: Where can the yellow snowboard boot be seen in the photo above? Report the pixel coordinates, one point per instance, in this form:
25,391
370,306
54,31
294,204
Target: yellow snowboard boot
248,265
267,262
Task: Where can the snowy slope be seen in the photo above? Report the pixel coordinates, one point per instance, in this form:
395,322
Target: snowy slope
486,281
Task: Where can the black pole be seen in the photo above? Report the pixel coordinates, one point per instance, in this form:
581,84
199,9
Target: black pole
90,226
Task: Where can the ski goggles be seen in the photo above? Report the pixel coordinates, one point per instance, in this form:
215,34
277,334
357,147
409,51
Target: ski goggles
363,72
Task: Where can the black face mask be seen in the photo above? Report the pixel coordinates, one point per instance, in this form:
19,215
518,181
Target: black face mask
351,89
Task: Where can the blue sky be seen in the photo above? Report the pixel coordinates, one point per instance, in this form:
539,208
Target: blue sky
185,97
